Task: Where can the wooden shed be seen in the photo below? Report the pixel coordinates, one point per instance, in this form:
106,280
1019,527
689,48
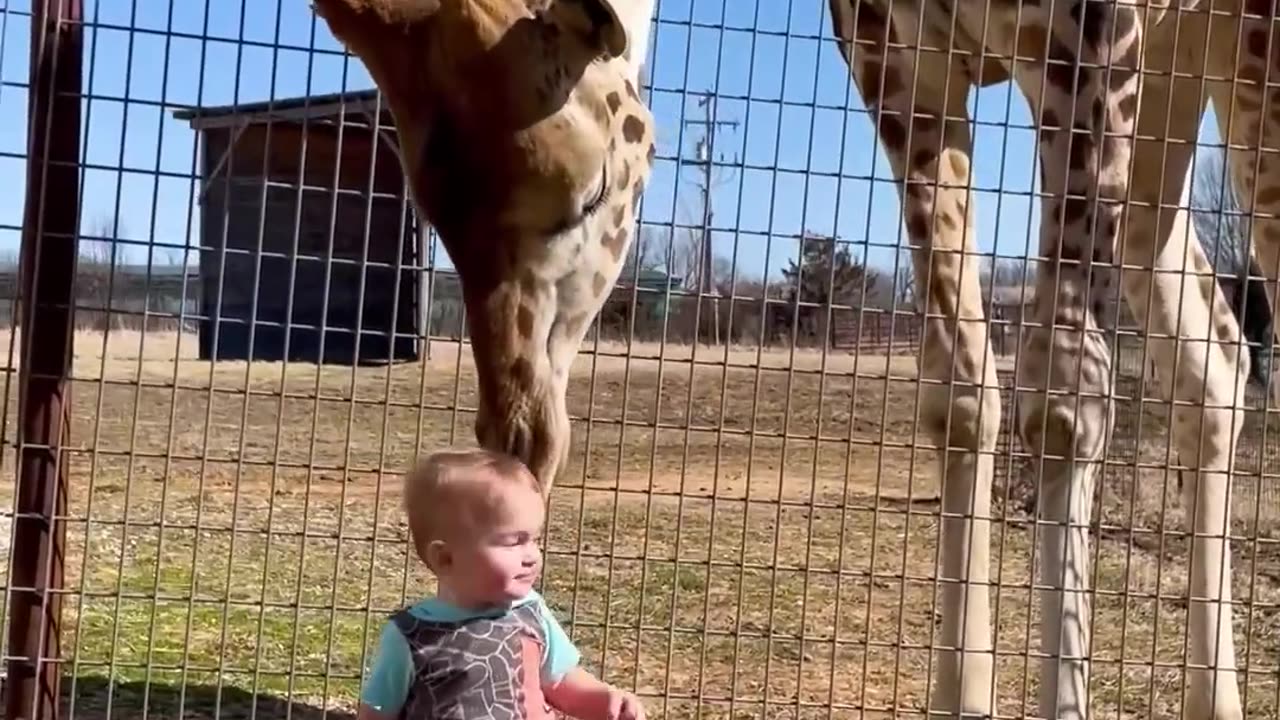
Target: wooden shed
304,224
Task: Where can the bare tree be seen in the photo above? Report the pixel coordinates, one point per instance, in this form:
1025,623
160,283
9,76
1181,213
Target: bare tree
1003,272
904,283
95,271
680,253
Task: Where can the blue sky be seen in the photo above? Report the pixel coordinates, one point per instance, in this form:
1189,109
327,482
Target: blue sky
809,150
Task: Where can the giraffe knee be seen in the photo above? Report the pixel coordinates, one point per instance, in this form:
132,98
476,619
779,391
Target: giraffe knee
962,417
1064,405
1063,427
1207,433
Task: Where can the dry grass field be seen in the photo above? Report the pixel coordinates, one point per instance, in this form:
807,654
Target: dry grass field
754,537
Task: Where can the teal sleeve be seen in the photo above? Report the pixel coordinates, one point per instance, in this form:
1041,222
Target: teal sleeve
390,674
560,655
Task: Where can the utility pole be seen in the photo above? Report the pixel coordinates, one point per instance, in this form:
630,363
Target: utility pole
705,153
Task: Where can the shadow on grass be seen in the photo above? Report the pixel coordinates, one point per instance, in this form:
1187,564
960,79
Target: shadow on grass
96,698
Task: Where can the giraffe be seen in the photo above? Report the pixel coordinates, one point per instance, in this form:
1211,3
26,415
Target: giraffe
913,64
526,145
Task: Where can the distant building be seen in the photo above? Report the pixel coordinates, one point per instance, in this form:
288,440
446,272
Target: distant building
268,210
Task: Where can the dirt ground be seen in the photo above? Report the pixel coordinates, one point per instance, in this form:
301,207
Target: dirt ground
737,532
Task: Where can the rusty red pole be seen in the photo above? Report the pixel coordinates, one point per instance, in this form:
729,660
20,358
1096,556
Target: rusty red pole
48,263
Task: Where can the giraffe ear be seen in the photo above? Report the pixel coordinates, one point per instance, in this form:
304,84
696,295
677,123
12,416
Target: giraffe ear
603,25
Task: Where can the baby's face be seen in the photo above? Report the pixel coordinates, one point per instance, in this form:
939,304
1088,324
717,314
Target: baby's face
500,564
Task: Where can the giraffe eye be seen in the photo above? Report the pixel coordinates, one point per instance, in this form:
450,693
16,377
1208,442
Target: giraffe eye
602,193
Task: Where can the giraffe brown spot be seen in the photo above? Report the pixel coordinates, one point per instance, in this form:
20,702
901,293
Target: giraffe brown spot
524,321
893,84
1252,72
1061,68
1091,17
924,124
1081,155
613,145
624,178
1049,120
521,372
1206,286
873,25
1031,42
1128,107
614,102
868,78
615,242
1256,42
619,215
918,227
948,221
633,129
1109,231
924,157
892,131
653,150
528,284
598,281
1074,209
1269,196
1258,7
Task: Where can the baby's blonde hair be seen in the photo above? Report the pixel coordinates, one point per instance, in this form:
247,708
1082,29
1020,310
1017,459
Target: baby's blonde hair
459,491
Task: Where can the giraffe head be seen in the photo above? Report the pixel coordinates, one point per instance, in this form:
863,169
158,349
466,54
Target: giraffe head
526,145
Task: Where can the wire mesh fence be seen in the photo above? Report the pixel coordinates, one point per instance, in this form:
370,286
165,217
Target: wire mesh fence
266,337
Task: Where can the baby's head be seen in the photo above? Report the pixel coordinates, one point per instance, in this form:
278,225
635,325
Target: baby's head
475,518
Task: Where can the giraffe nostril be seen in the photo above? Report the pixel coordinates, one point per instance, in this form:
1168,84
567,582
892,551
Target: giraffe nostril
520,441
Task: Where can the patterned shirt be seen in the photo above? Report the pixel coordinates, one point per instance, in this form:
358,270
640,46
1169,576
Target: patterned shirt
436,660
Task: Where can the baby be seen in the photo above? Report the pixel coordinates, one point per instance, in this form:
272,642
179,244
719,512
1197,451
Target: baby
486,646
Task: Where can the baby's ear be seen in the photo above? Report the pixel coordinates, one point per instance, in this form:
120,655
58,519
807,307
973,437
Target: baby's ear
438,555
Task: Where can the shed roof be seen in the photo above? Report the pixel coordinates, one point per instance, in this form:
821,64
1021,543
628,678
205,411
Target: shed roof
326,108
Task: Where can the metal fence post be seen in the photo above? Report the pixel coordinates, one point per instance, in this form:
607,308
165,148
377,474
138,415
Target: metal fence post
48,265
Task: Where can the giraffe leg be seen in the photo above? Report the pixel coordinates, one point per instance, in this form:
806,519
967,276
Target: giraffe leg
1209,380
1192,335
926,137
1064,385
1213,372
